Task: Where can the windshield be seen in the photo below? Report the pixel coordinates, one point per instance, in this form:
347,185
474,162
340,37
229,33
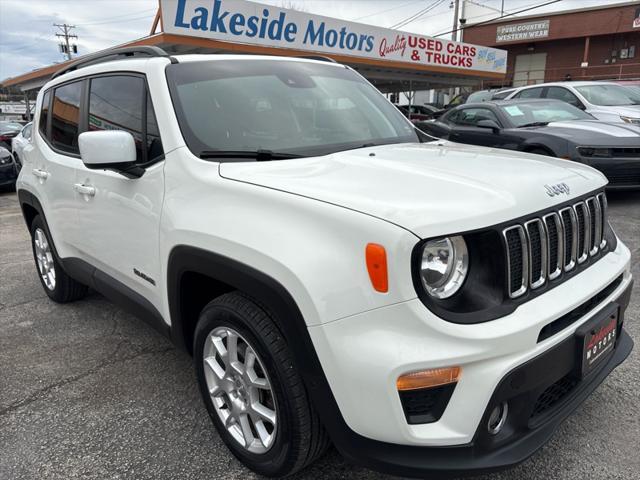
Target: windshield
289,107
481,96
610,95
527,113
10,127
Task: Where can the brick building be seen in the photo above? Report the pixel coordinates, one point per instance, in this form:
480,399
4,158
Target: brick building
585,44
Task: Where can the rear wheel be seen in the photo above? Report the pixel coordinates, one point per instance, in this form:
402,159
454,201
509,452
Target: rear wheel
251,388
59,286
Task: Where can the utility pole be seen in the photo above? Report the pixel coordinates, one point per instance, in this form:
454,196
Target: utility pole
66,48
456,9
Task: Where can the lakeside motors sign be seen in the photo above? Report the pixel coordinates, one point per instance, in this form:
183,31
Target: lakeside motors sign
522,31
240,21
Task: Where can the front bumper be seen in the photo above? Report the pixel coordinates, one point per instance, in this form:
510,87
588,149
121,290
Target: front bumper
361,359
485,454
622,173
8,174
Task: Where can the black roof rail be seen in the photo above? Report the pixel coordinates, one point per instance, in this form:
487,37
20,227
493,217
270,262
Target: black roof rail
320,58
107,55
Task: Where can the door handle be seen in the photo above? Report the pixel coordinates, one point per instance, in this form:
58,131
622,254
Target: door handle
84,189
40,173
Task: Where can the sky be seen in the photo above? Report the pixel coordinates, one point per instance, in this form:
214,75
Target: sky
28,41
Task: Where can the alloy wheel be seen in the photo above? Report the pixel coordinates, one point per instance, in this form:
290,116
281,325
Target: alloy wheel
44,259
240,390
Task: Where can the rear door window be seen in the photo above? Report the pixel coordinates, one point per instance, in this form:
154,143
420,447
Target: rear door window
530,93
65,117
469,117
44,113
562,94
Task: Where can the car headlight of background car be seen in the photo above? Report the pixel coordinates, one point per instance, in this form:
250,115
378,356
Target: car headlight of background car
594,152
444,266
630,120
5,158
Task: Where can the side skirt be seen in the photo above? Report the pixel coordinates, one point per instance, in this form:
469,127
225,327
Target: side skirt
117,292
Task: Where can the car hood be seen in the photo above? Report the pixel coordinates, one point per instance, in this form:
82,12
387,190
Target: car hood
632,111
430,188
594,132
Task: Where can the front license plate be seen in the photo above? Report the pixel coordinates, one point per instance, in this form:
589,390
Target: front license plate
599,338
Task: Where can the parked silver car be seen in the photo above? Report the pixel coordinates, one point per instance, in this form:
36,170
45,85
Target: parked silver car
606,101
19,142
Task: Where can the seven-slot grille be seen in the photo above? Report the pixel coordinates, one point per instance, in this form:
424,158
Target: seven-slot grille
543,248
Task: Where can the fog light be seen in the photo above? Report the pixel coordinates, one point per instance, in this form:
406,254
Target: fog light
497,418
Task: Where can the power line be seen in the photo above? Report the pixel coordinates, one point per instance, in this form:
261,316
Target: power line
120,18
417,15
65,47
388,10
501,13
123,20
501,16
478,4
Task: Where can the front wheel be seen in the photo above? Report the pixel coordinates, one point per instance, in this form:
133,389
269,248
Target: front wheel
251,388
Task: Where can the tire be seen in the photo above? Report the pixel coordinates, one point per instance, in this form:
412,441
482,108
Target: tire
297,437
59,286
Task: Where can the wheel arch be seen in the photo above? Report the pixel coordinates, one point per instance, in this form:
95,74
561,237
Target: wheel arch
189,265
198,275
30,207
529,147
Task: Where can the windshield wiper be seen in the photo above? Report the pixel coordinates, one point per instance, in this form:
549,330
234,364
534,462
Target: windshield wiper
534,124
258,155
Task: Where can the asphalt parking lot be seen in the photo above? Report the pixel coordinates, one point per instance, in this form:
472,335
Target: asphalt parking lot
88,391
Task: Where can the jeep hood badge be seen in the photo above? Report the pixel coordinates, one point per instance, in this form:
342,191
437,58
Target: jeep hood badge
557,189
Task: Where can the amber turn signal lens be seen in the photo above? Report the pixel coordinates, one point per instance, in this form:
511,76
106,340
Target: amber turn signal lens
376,257
428,378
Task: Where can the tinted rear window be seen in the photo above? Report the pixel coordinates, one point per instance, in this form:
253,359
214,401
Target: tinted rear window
44,113
66,117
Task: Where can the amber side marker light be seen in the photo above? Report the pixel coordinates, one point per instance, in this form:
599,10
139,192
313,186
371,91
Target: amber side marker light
376,257
428,378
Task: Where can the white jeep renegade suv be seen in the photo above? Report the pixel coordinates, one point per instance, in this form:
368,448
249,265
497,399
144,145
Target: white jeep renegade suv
338,276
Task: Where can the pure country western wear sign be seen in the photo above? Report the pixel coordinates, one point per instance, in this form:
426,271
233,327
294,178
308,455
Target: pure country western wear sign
522,31
252,23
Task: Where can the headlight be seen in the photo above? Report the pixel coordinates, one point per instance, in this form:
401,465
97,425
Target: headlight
594,152
444,266
5,160
630,119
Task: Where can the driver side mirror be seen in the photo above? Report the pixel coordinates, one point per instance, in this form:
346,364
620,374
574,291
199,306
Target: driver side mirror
492,124
110,150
